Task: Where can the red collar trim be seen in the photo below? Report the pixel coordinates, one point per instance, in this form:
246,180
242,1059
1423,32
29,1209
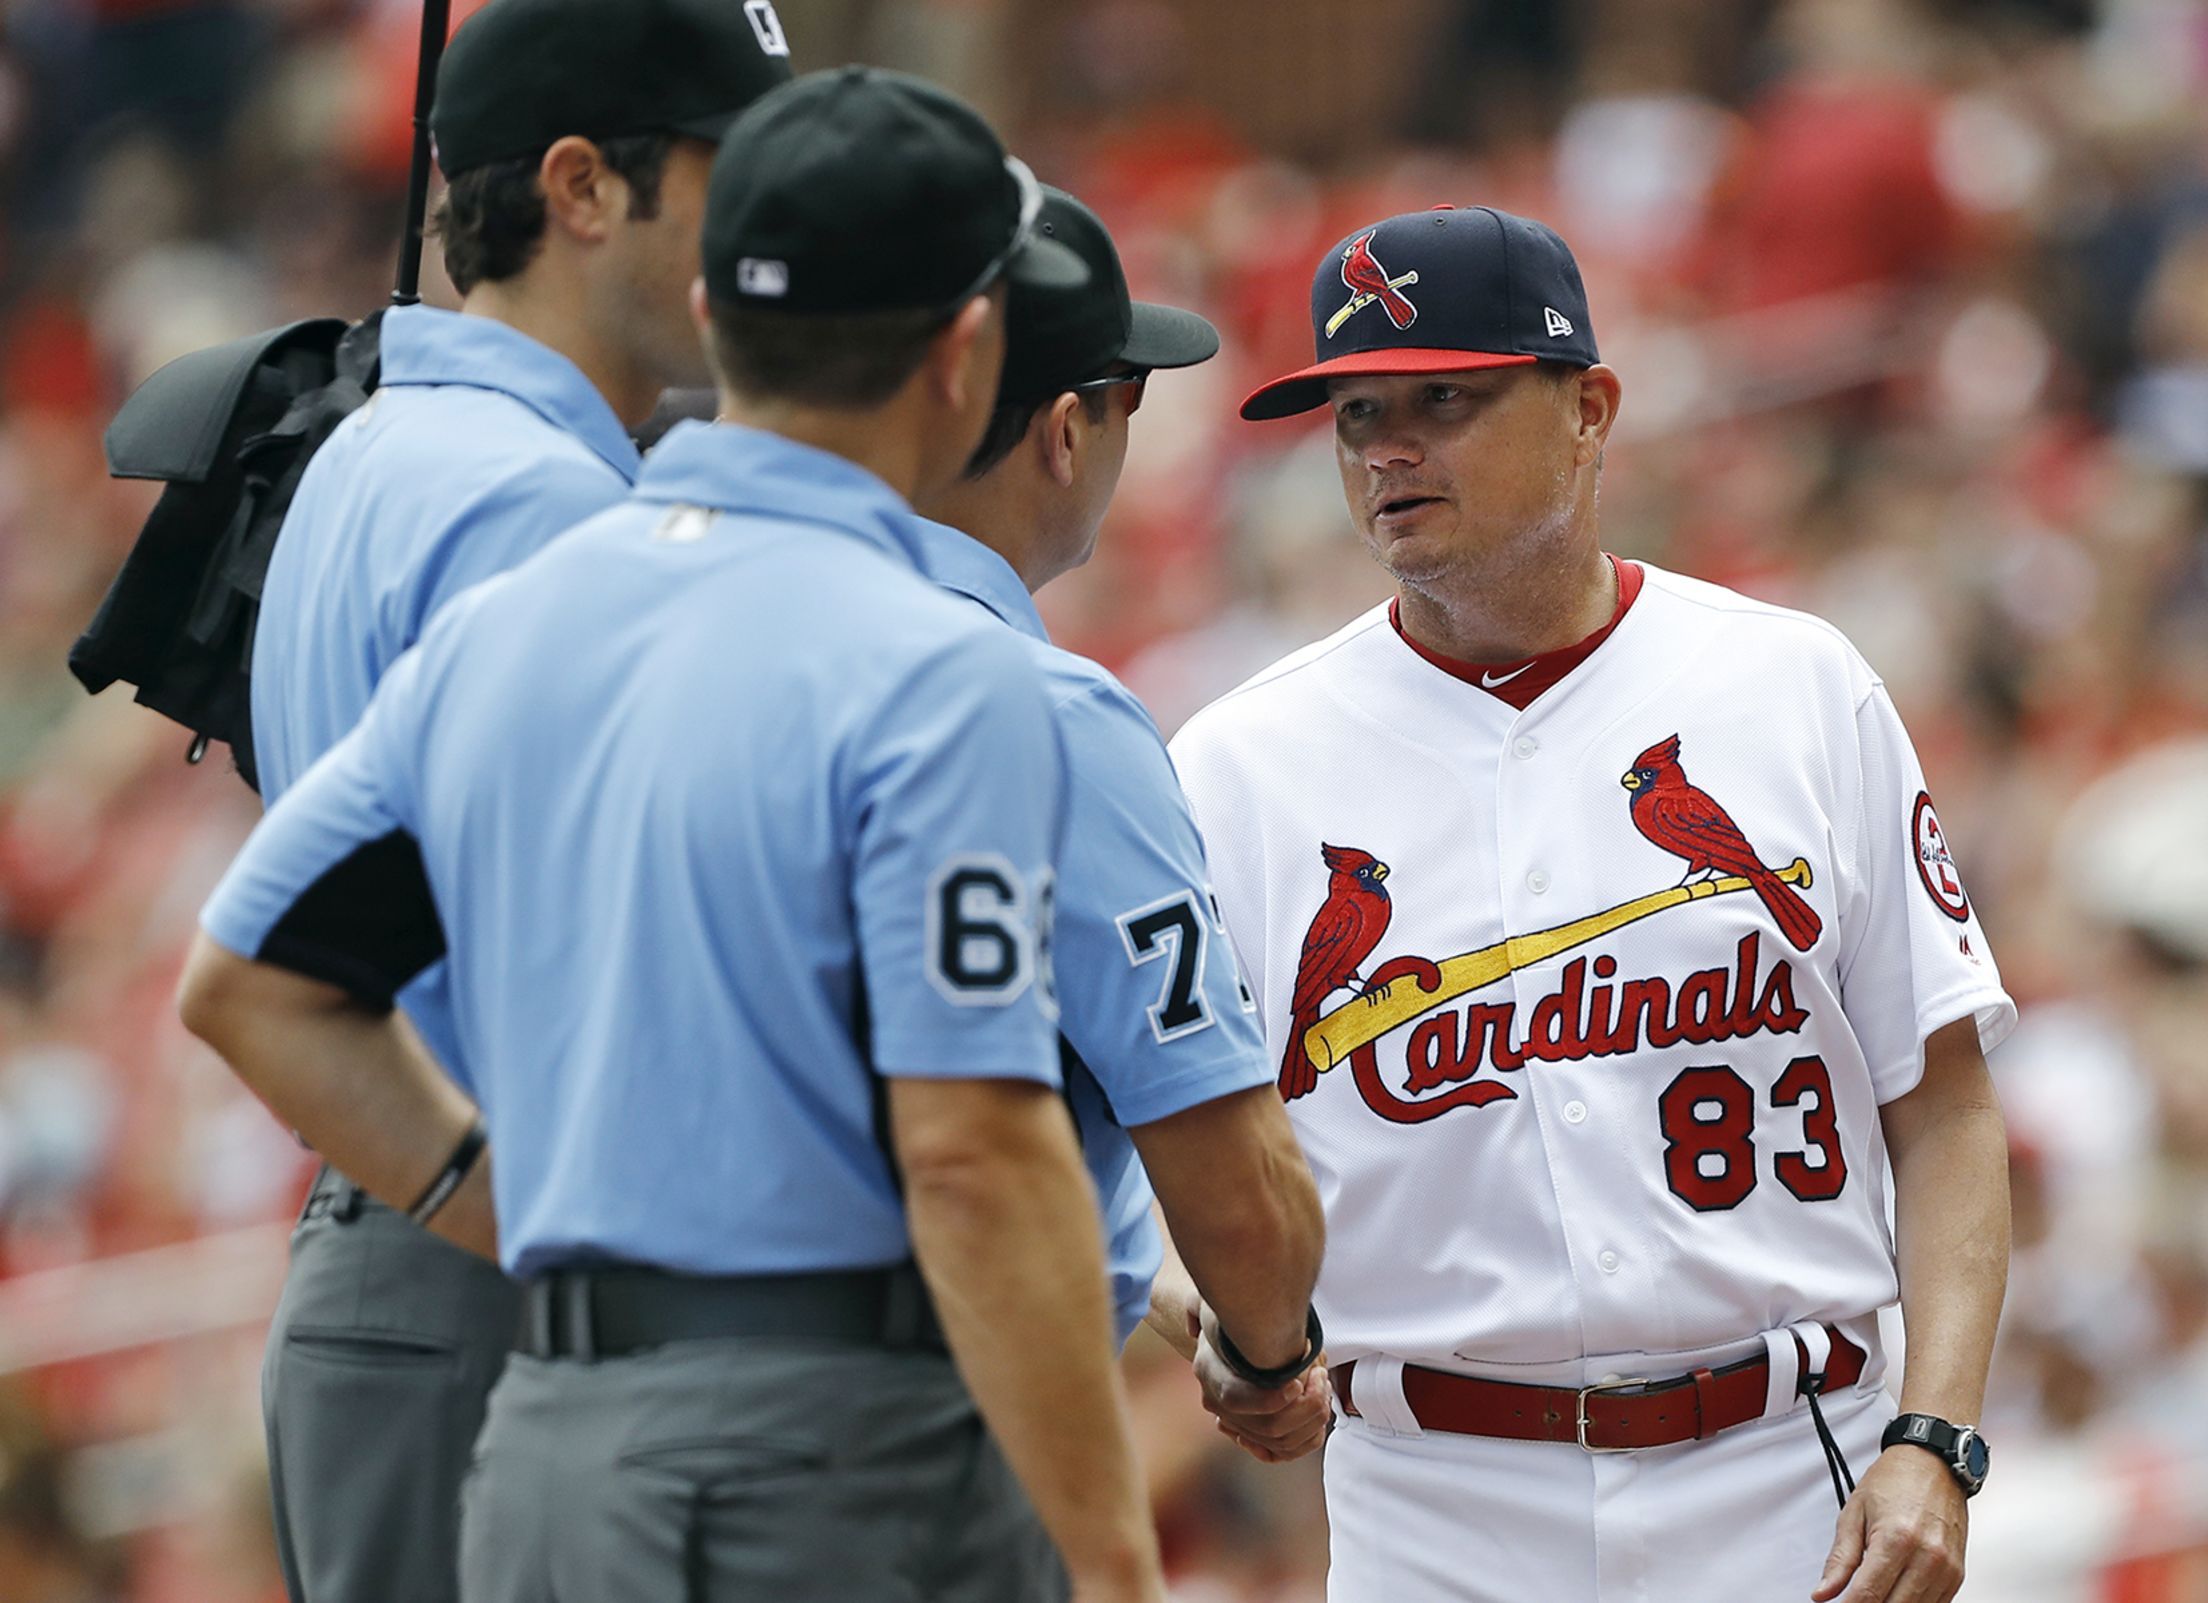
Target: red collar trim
1520,681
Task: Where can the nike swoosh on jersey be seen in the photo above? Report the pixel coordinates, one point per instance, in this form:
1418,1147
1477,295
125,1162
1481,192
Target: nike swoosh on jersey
1488,681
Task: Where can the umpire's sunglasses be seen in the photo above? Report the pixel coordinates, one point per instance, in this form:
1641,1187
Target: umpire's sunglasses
1137,381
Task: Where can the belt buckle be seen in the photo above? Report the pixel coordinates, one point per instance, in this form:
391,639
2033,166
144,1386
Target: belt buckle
1600,1386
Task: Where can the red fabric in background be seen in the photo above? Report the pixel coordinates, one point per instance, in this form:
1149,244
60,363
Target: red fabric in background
1835,189
381,144
47,362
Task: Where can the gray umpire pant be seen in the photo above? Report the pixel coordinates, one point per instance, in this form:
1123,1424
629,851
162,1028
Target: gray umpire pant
379,1363
746,1468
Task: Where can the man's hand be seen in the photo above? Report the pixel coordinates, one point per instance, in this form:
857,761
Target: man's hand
1901,1535
1274,1426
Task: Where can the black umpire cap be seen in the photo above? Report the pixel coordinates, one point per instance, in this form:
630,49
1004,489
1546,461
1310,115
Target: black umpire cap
521,74
858,191
1059,337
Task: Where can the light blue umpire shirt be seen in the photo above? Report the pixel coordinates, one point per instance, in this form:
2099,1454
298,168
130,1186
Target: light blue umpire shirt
729,814
479,445
1154,1018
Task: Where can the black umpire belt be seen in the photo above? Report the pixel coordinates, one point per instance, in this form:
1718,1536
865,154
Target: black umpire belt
612,1310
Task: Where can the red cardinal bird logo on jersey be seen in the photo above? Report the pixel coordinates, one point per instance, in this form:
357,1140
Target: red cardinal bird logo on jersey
1339,940
1368,281
1687,823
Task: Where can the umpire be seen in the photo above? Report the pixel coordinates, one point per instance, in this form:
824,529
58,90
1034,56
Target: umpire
576,136
1166,1068
741,832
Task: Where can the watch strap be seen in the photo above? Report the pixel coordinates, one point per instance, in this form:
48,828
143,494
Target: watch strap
1948,1442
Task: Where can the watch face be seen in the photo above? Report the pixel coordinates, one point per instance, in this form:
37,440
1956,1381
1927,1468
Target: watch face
1972,1458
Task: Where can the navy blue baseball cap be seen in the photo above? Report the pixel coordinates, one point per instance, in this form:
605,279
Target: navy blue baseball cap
1441,291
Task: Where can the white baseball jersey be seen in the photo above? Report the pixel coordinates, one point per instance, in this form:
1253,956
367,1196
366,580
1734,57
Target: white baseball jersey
1585,1010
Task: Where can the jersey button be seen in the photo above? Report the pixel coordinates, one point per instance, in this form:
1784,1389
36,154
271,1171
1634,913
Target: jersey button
1537,882
1526,746
1575,1112
1609,1262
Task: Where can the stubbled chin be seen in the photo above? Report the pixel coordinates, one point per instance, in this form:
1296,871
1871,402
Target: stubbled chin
1411,556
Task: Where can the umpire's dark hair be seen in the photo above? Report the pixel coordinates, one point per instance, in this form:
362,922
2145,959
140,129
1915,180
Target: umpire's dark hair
1009,423
490,219
847,361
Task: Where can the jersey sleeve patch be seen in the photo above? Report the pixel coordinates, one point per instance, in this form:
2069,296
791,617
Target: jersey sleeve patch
1172,933
987,935
1935,866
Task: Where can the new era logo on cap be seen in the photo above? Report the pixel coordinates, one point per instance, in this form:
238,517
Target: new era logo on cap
756,276
1559,324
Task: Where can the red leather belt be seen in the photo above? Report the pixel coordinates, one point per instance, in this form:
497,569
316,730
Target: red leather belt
1615,1416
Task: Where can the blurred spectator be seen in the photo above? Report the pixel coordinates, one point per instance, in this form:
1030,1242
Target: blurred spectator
44,1556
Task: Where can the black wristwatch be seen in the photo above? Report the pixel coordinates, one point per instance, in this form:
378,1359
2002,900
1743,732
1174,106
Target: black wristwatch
1959,1447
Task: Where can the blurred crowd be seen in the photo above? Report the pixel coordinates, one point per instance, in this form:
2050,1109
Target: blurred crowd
1910,303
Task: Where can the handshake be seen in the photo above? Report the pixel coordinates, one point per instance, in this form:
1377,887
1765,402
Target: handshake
1272,1424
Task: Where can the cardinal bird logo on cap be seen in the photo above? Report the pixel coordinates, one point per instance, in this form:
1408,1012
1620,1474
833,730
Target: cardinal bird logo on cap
1368,281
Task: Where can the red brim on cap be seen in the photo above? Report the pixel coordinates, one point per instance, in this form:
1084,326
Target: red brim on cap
1302,391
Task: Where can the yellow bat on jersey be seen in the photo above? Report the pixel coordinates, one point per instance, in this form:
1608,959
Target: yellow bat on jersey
1370,1016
